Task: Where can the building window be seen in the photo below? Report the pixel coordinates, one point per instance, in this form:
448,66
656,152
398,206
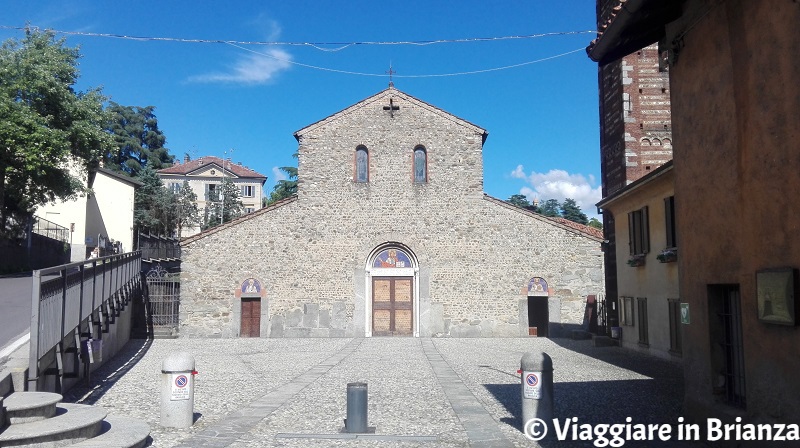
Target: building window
641,307
249,210
638,232
674,311
626,311
362,164
175,187
211,192
669,213
248,191
420,165
727,347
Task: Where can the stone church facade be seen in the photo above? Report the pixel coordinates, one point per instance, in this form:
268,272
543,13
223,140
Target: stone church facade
390,233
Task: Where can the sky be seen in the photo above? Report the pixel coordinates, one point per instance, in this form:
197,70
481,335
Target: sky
287,64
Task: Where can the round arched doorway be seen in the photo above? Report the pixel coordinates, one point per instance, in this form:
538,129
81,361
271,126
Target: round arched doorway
392,287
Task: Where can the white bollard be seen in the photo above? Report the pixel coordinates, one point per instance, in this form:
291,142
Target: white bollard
177,390
537,394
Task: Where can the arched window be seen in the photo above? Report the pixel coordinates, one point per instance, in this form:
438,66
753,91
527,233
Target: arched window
420,165
362,164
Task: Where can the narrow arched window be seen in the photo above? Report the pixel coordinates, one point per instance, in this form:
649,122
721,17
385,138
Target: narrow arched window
420,165
362,164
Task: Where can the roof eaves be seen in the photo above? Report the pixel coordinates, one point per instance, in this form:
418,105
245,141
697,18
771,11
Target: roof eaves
633,25
248,216
545,219
626,190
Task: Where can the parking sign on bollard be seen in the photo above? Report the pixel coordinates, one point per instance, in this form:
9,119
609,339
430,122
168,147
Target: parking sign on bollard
177,390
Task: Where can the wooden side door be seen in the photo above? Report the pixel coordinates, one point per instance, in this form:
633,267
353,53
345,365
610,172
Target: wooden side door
392,306
251,318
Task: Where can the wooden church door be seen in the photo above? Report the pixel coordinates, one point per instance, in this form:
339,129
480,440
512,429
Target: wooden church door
251,318
392,306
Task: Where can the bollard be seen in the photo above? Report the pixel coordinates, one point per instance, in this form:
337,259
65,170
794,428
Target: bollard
356,421
177,390
537,393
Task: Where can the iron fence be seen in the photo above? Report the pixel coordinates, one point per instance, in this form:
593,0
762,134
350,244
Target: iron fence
163,292
65,298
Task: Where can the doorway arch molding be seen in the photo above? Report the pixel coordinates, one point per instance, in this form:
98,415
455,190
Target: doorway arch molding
406,271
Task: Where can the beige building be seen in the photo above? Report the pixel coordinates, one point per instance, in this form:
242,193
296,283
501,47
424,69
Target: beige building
99,218
206,174
648,305
390,234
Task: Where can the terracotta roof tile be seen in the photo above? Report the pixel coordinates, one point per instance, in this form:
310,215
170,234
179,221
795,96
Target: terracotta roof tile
193,165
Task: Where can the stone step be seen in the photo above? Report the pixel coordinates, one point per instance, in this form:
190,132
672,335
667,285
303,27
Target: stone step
118,432
24,407
72,423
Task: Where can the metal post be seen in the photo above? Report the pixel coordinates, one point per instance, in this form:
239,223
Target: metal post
537,394
356,421
33,352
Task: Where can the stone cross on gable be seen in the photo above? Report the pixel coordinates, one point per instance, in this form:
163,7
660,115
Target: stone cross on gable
391,107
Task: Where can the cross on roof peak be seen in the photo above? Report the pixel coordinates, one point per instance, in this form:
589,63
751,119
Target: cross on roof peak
390,73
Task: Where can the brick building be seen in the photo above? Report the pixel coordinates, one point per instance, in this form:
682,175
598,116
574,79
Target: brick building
390,234
635,133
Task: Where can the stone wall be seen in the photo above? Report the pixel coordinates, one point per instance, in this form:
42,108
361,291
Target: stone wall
474,254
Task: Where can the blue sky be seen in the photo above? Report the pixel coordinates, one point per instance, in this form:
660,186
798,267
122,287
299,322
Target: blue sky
542,117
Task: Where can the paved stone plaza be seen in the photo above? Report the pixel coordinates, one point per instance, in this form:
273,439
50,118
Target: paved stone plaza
422,392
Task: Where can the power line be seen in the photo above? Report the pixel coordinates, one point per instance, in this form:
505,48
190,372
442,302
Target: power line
317,45
473,72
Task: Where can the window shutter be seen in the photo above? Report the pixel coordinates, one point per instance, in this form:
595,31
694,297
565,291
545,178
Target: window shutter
631,236
669,212
645,231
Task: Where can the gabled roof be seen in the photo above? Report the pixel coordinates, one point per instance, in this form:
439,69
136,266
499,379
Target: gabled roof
392,92
632,25
204,162
122,177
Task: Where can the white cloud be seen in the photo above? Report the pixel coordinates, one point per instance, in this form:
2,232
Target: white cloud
559,185
278,174
251,69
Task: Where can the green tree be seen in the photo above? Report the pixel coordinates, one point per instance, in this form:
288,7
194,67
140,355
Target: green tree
138,140
188,214
519,200
154,207
594,222
45,125
223,206
285,187
572,211
551,208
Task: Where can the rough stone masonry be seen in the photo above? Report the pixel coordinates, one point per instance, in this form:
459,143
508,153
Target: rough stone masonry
319,259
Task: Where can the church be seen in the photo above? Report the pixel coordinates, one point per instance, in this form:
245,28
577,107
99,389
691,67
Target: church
390,234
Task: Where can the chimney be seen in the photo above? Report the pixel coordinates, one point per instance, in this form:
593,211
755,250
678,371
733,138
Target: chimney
186,158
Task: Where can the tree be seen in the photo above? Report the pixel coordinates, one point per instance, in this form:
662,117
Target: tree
228,202
571,210
551,208
154,207
186,205
45,125
594,222
284,187
138,140
519,200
